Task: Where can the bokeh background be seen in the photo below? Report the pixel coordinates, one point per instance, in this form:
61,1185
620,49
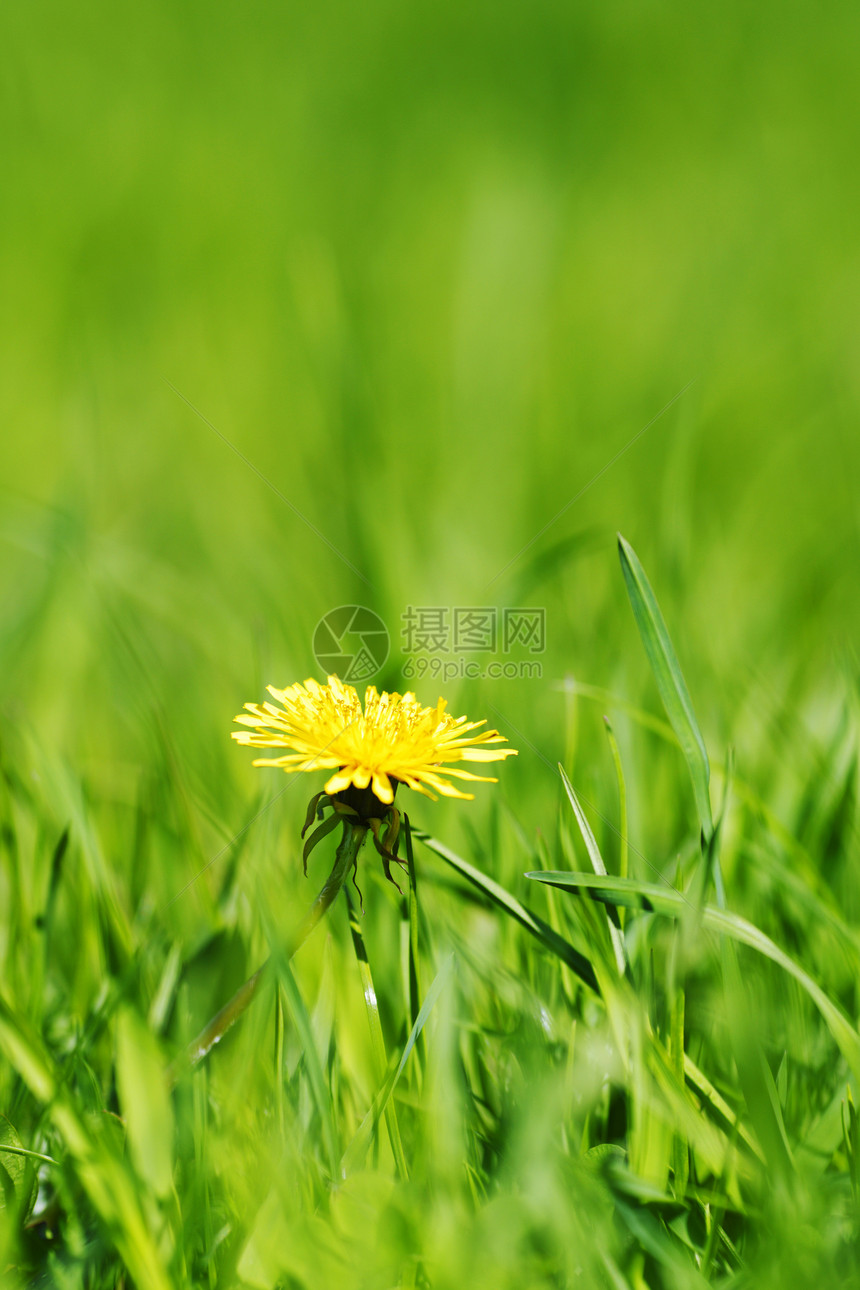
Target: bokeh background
425,272
429,269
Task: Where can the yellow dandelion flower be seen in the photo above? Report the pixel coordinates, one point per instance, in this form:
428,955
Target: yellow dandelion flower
393,739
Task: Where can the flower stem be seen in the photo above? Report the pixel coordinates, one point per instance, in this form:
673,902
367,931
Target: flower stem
216,1029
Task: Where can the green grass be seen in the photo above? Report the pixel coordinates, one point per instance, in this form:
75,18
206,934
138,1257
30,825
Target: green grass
566,1100
427,274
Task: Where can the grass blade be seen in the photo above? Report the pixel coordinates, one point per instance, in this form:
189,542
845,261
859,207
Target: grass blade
145,1101
673,904
548,937
615,934
316,1077
669,678
104,1178
414,976
377,1041
622,798
357,1149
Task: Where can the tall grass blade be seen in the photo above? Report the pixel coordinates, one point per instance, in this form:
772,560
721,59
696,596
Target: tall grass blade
669,678
376,1037
615,934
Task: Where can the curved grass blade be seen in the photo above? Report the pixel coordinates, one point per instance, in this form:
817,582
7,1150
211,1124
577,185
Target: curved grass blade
615,934
548,937
17,1173
8,1148
557,945
669,678
672,904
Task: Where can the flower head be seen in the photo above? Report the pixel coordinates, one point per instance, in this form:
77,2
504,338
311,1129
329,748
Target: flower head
393,738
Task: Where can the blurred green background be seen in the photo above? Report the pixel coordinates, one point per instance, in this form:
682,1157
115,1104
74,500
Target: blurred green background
426,272
429,268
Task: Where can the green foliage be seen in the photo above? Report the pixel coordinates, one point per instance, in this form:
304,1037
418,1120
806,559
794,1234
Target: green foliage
305,307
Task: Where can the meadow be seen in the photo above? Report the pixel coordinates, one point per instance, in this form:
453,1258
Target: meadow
539,314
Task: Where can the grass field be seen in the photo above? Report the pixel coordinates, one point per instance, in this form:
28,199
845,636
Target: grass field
418,308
